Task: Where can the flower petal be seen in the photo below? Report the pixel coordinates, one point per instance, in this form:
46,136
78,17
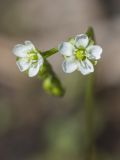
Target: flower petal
29,45
81,40
85,67
69,65
20,50
94,52
66,49
23,64
34,69
40,59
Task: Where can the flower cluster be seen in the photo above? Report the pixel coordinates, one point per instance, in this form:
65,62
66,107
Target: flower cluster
80,53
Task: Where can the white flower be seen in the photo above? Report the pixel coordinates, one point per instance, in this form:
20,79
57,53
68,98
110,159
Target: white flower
28,58
80,54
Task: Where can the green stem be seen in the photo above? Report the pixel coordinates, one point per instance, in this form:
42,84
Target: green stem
89,113
90,107
51,82
49,53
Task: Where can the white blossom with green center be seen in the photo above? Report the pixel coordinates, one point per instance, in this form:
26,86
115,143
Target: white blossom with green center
28,58
80,54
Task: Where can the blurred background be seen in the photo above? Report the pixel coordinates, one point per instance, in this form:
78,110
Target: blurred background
36,126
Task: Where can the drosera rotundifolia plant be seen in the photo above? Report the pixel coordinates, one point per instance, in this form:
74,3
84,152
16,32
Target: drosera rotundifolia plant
80,53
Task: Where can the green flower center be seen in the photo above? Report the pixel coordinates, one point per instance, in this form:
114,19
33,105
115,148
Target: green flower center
32,56
80,54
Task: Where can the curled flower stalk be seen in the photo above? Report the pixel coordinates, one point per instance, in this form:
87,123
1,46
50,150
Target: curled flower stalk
34,62
51,82
80,53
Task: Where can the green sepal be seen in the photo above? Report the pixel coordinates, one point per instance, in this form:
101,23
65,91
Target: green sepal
43,72
17,58
91,42
72,40
94,62
90,34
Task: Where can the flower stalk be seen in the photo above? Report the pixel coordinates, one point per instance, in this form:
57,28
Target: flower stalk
49,53
90,109
51,82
